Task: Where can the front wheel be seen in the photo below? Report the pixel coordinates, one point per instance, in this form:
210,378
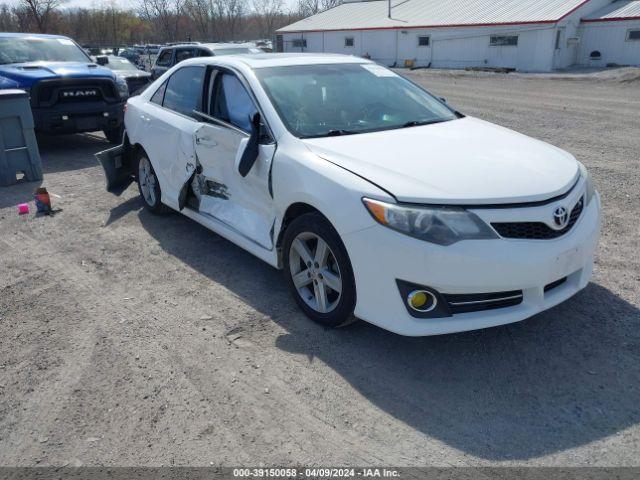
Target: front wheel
318,270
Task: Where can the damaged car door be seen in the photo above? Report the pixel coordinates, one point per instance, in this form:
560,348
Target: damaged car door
172,128
219,188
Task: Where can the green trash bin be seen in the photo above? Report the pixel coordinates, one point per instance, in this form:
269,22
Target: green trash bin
18,145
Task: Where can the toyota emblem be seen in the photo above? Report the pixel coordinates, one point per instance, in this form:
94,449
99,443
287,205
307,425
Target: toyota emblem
561,217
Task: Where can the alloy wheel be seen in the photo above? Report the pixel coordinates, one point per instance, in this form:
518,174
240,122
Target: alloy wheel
147,180
315,272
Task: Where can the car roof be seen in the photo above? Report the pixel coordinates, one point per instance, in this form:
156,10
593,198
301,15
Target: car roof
210,46
264,60
29,35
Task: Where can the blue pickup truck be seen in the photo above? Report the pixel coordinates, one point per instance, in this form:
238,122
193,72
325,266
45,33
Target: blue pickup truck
68,92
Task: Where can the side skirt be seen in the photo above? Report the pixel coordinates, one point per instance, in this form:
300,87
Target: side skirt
268,256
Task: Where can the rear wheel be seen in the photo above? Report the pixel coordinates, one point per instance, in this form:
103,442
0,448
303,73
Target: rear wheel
148,184
318,271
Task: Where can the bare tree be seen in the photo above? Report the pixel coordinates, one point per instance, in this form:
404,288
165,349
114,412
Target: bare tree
165,14
306,8
268,15
8,19
203,16
41,11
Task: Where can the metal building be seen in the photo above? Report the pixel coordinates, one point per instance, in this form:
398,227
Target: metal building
611,35
527,35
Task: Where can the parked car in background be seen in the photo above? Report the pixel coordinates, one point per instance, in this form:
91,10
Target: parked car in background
136,79
131,54
151,49
374,196
69,93
170,56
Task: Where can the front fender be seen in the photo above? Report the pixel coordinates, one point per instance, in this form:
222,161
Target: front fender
303,177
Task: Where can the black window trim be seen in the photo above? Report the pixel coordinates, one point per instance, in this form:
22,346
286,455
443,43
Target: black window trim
428,37
247,87
162,85
353,42
200,95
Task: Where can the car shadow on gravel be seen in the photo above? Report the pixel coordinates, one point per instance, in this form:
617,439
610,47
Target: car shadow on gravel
61,153
20,192
562,379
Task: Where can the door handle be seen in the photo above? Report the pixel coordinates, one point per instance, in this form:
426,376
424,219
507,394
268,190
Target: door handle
206,142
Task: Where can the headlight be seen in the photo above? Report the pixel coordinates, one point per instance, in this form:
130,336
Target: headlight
123,88
590,188
439,225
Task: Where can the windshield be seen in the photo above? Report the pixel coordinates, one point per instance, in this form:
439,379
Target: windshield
120,63
342,99
34,49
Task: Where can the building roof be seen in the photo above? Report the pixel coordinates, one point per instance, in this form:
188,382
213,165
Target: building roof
616,11
365,15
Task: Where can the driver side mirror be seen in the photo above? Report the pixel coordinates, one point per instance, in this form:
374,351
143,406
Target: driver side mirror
102,60
251,151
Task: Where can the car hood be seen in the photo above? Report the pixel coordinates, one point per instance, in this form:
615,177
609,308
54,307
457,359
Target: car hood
464,161
132,74
29,73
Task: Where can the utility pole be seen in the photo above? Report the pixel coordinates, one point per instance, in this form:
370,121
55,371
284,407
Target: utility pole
389,9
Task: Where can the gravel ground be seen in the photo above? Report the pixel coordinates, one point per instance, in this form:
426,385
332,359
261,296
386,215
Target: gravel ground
131,339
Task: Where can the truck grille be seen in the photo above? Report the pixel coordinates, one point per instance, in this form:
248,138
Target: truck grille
537,230
47,93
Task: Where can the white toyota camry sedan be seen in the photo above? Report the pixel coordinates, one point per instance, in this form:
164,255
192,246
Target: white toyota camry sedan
377,199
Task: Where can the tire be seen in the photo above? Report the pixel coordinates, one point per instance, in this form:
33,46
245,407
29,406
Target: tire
308,284
148,184
114,135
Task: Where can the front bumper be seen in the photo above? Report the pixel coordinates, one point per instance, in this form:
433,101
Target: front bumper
79,118
380,256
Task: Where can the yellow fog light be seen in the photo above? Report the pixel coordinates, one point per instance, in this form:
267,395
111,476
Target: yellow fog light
422,300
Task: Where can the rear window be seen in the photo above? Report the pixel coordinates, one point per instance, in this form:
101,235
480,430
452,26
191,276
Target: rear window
183,90
183,54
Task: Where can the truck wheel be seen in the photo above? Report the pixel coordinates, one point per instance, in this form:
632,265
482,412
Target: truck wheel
114,135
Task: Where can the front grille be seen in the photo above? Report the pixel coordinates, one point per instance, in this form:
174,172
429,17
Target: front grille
47,93
478,302
537,230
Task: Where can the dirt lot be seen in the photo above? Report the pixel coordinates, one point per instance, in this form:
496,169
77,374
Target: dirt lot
132,339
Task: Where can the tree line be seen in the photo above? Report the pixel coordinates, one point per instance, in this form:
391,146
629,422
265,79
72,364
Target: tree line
158,21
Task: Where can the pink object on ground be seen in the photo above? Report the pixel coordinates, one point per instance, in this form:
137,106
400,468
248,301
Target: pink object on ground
23,208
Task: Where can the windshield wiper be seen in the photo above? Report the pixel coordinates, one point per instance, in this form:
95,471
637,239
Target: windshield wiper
418,123
338,132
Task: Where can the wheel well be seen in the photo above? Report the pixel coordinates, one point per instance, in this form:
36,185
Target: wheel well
131,153
294,211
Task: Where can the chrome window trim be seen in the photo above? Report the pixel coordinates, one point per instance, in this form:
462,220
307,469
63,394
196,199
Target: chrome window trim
473,302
